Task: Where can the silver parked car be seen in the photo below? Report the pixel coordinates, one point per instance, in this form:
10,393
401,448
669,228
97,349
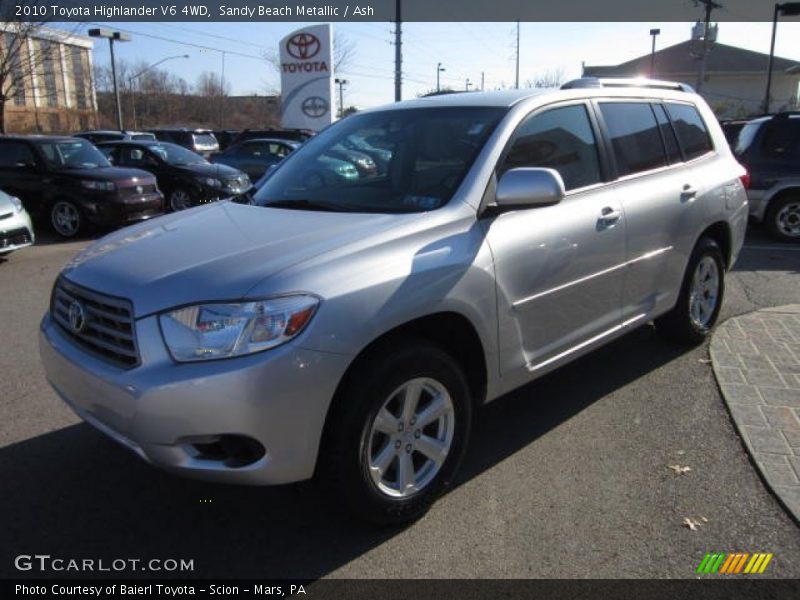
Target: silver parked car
348,329
16,229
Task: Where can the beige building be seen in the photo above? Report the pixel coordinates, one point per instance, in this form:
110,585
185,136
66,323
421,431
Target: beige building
56,91
735,80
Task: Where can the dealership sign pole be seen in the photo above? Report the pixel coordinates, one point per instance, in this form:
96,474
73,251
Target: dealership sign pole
307,78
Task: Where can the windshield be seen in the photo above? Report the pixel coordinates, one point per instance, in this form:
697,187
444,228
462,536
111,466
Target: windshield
428,153
72,154
176,155
204,139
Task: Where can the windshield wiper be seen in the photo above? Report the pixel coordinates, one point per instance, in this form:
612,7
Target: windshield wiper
301,204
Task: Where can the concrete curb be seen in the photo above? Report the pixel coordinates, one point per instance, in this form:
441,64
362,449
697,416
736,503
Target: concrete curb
756,361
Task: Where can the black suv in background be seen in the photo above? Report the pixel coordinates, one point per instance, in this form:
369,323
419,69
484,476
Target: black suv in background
70,183
769,148
112,136
200,141
186,178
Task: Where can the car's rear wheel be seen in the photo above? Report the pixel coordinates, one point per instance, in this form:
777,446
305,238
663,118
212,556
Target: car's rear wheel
66,218
398,433
179,200
783,218
700,299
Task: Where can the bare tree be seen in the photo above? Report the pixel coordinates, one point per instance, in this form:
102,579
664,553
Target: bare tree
551,78
20,58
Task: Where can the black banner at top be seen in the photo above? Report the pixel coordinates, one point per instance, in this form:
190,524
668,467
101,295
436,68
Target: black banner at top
652,11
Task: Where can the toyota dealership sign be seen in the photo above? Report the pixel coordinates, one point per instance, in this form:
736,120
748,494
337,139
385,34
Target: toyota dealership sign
307,78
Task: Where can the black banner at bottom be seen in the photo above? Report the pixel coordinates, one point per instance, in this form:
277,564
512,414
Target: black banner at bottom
411,589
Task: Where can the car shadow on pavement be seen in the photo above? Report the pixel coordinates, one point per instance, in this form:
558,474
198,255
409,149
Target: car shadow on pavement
75,494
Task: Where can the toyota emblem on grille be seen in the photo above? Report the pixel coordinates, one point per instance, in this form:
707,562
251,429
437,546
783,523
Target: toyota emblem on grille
77,318
139,189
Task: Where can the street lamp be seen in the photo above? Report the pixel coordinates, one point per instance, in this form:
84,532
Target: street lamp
439,69
341,83
113,36
142,72
654,33
789,9
467,84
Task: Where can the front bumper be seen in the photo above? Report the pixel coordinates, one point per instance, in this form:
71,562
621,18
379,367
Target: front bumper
123,211
278,398
16,231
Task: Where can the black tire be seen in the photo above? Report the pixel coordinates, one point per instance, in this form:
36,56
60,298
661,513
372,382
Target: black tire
782,216
179,199
343,468
66,218
678,324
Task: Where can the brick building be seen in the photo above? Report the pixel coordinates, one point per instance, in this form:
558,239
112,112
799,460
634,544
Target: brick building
57,92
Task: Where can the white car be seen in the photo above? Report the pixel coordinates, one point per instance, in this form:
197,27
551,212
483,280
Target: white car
16,230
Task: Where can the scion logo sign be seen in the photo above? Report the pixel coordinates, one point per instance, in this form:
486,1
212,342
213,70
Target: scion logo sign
314,107
303,46
307,78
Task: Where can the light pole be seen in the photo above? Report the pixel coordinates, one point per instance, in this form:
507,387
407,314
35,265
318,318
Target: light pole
654,33
341,83
439,69
142,72
790,9
467,84
113,36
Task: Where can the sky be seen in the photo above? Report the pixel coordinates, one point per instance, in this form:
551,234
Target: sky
466,51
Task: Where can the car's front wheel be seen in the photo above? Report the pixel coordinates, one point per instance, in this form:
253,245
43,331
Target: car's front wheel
179,199
783,218
398,433
700,299
66,218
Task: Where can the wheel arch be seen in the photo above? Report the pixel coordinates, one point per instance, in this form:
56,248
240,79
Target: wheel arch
721,233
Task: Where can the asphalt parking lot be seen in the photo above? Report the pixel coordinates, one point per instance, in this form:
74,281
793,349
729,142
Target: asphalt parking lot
566,477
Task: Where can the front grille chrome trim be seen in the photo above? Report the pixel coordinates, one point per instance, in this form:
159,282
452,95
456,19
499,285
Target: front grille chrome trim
109,328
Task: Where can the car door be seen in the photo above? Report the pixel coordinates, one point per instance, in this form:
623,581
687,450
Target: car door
21,174
663,190
558,268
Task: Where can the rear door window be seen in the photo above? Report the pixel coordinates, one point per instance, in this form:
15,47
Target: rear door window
668,134
782,138
561,139
14,155
635,136
692,131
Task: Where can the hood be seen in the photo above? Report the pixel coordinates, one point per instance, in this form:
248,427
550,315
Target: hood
217,170
109,174
214,252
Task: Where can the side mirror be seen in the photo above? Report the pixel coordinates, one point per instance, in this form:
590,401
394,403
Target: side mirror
25,164
529,188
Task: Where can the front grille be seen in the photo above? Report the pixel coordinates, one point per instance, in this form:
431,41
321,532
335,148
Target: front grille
134,190
15,237
107,323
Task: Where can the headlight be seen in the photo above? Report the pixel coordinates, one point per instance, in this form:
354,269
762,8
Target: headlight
210,181
366,162
104,186
211,331
17,203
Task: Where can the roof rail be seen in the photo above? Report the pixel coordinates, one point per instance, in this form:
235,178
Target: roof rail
633,82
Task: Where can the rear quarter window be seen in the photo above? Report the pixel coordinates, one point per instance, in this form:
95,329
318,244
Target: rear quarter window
691,130
782,138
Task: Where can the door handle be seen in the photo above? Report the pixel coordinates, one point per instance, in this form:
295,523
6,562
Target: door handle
610,215
688,192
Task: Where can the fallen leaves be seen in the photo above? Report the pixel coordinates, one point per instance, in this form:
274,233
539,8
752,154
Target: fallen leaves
693,524
679,470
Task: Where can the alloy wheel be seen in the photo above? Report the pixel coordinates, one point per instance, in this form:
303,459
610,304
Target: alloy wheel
179,200
787,221
704,292
65,218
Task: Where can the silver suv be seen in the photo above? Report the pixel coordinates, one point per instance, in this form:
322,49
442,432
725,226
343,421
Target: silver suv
348,329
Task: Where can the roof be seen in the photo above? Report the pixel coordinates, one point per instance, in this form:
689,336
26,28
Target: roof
40,138
683,58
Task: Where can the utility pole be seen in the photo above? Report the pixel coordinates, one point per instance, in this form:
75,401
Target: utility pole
483,79
113,36
709,6
467,84
341,83
398,53
789,9
654,33
222,93
516,85
439,69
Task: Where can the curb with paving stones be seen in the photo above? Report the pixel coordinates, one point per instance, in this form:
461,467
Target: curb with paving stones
756,360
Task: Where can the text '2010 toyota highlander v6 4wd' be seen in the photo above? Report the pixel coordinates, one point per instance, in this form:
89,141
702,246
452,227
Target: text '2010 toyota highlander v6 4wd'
348,330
